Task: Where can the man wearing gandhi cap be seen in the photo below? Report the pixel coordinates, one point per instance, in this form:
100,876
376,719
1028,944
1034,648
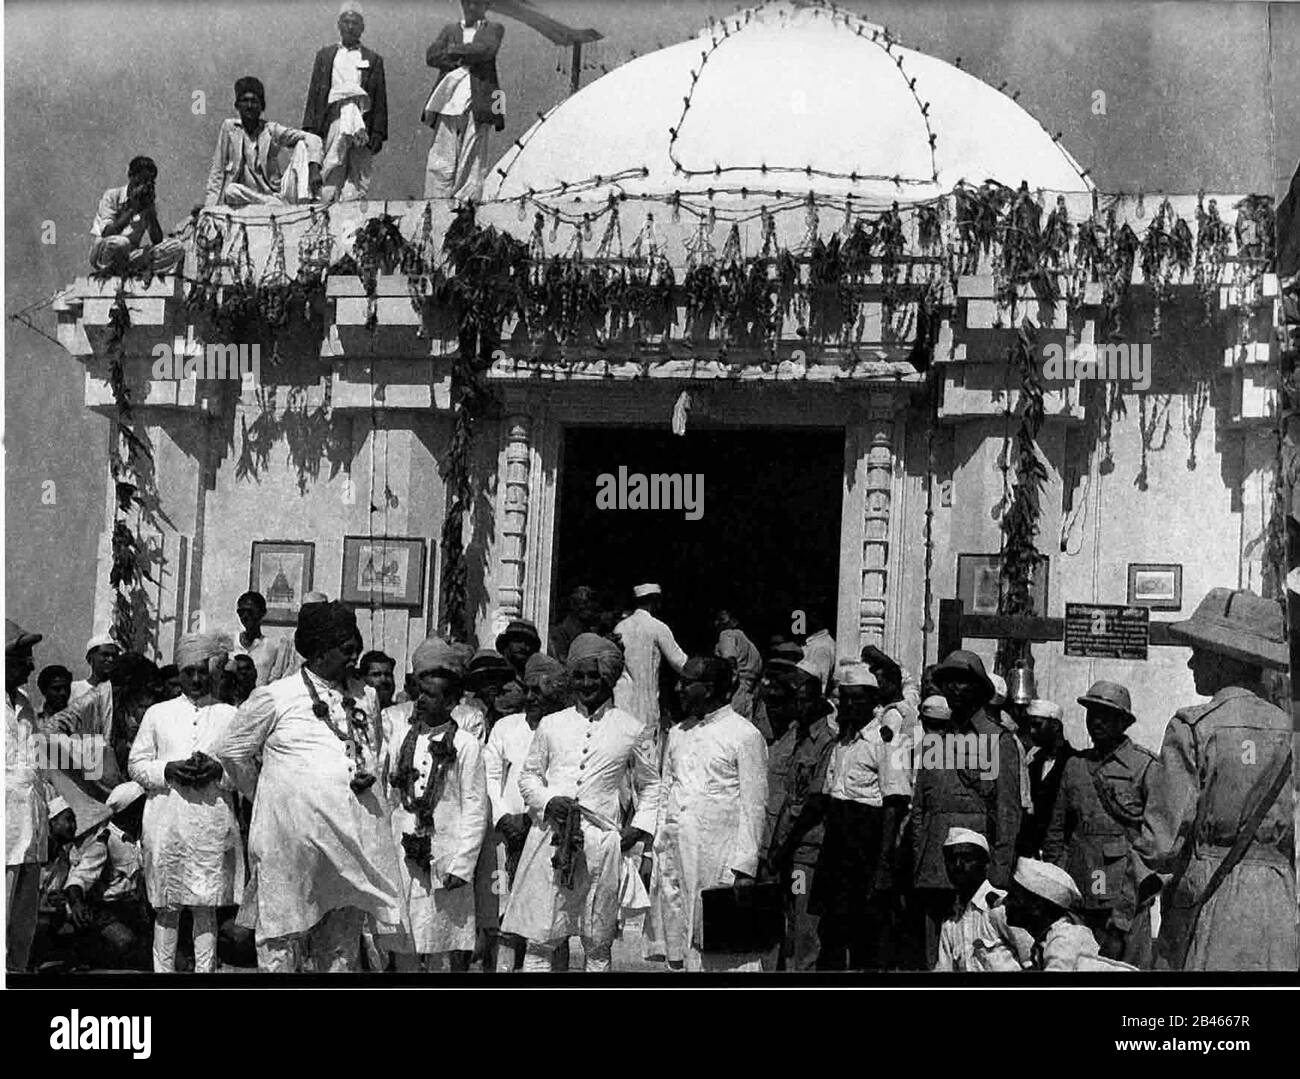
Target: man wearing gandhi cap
1049,753
193,854
320,847
438,799
102,653
977,936
347,107
1218,833
577,763
646,640
1042,901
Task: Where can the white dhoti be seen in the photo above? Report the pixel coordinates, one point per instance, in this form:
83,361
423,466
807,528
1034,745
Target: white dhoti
545,913
345,170
120,254
457,159
294,186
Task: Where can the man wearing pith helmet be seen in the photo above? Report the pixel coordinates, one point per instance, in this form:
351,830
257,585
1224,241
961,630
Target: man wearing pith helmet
1096,817
1218,834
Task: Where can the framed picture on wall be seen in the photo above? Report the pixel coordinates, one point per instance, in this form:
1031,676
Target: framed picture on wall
1155,585
383,571
978,577
283,571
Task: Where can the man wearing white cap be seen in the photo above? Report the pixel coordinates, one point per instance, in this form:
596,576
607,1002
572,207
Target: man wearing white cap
646,640
1046,759
867,788
347,107
977,937
101,655
1042,901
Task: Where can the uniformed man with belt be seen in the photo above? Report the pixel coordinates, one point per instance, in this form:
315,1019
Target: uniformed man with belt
1218,836
1096,817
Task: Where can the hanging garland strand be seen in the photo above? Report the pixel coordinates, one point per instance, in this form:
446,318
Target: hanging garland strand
1020,520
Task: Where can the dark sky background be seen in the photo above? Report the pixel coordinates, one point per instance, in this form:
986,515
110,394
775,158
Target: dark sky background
1198,95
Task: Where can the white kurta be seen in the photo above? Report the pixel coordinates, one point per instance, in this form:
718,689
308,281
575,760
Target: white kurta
710,824
439,920
645,640
315,846
576,756
273,657
193,854
503,758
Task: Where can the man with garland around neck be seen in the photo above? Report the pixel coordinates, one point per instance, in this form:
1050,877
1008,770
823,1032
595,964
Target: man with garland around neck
433,773
576,764
321,850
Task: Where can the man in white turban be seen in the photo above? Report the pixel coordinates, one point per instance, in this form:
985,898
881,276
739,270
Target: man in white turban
193,853
568,881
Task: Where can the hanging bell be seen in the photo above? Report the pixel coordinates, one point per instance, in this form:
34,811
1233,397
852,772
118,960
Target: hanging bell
1021,688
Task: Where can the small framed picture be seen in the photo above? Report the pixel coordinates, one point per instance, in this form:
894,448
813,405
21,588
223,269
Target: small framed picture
282,570
978,584
1155,585
383,571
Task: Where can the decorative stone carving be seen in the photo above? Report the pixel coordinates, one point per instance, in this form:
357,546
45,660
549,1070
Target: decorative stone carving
879,430
512,517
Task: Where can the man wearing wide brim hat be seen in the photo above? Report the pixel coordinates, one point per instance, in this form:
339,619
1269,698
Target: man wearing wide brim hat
984,799
1218,833
1096,817
517,643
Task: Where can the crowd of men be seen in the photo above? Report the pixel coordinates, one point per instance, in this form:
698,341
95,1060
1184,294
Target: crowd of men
292,808
330,158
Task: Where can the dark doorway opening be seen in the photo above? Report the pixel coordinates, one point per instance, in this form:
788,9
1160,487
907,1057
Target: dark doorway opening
767,543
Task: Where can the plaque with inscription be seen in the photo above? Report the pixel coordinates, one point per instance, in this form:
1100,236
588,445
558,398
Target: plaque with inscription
1106,631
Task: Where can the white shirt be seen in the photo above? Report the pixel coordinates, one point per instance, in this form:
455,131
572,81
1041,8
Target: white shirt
274,657
645,640
345,76
978,938
27,820
819,654
507,748
80,688
868,769
451,97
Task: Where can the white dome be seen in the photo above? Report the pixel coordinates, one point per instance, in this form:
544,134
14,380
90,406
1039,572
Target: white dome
804,90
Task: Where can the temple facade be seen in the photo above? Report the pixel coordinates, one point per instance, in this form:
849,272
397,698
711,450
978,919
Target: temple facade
888,388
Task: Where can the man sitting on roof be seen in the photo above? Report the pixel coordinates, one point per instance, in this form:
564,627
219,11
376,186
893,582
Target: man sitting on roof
126,237
246,165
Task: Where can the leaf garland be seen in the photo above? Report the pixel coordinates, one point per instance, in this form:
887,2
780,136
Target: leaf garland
1020,519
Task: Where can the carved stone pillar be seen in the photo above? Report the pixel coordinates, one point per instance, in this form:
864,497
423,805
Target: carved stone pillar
512,517
878,441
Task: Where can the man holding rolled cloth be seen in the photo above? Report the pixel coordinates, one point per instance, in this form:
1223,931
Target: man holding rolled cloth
568,882
321,850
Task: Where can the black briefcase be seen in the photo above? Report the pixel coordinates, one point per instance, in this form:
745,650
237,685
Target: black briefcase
750,918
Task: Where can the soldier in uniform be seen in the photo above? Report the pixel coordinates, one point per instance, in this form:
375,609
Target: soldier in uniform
1096,817
1217,839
